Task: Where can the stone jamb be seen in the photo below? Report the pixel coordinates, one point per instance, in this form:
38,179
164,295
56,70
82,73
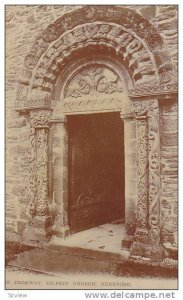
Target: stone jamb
147,236
60,176
40,219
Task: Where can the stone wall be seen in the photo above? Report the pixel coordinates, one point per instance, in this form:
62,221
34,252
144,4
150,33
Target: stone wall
164,19
23,25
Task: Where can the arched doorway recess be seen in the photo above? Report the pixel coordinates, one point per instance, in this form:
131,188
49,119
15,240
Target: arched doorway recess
96,60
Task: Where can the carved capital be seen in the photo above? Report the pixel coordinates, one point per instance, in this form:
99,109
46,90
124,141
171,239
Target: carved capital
153,109
140,108
40,118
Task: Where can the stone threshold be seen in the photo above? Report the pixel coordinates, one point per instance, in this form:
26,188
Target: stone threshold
96,250
101,242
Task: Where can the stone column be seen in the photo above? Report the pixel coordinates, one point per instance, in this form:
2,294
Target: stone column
147,235
154,178
142,176
130,178
60,177
39,226
142,185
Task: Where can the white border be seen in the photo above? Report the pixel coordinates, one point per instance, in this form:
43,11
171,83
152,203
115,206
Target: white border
69,294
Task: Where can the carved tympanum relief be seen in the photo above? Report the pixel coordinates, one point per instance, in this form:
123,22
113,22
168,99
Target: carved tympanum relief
94,80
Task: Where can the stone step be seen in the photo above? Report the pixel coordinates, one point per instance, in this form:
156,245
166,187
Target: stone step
74,261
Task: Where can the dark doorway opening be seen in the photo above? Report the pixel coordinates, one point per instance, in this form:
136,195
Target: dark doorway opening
96,170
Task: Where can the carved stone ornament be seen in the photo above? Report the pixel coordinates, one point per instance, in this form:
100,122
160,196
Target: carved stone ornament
111,37
154,171
38,203
153,90
142,172
40,118
42,172
38,206
148,160
140,108
94,80
123,38
31,208
39,98
94,89
119,15
147,235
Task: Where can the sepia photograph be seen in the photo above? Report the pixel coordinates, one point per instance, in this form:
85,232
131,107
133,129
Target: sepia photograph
91,133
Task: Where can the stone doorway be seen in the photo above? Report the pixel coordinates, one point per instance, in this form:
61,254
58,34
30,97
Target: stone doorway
96,184
85,62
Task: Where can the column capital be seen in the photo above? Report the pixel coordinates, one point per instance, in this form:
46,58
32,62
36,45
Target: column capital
40,118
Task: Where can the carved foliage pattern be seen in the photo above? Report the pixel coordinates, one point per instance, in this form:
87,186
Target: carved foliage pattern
154,170
38,205
94,80
153,90
31,209
39,97
42,180
148,159
40,118
142,171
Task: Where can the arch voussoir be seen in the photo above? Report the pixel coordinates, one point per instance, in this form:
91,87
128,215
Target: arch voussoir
130,36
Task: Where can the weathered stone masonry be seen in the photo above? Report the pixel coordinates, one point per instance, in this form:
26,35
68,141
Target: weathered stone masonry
43,46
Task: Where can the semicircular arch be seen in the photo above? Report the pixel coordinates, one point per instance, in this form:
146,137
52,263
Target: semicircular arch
114,30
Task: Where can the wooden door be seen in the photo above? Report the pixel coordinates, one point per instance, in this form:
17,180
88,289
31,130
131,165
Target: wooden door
96,170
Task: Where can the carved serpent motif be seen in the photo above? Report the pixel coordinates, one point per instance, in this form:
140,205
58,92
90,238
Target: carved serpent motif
142,178
38,164
31,208
154,180
42,180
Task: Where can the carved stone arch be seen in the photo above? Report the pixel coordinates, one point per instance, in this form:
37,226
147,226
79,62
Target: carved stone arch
110,38
117,29
128,18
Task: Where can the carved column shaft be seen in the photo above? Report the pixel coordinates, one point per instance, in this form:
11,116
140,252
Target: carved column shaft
38,207
147,237
39,157
31,209
42,171
142,174
154,171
